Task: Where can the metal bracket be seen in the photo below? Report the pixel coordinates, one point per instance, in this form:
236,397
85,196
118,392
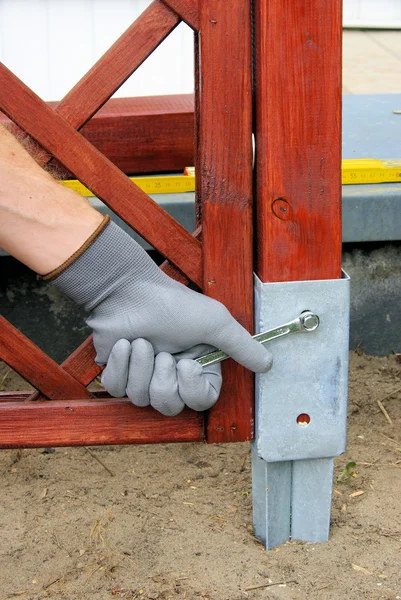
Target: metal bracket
301,408
309,375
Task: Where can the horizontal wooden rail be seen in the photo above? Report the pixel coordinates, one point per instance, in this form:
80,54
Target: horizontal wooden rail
145,135
80,423
153,134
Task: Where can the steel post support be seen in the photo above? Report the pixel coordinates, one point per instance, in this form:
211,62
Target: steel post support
301,408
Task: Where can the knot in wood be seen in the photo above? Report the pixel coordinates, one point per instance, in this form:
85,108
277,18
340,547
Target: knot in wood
282,209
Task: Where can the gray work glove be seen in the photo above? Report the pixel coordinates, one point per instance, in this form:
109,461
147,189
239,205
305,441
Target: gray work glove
147,327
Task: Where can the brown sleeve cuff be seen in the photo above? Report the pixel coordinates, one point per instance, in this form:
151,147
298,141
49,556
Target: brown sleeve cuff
56,272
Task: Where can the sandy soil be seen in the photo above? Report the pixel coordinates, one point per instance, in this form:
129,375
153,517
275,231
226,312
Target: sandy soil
174,521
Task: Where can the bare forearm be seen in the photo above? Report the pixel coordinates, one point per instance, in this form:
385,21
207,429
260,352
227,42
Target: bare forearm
42,223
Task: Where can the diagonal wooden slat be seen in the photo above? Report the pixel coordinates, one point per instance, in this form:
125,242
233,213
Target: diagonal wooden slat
100,175
80,365
100,421
34,365
171,271
187,10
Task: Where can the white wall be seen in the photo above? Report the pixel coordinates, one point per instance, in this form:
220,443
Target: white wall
50,44
377,14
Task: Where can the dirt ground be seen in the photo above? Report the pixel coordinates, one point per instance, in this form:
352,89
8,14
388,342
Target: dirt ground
174,521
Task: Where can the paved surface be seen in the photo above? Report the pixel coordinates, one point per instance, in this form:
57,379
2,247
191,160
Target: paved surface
372,65
372,62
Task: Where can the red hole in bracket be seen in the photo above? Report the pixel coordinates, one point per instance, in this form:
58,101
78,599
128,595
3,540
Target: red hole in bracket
303,420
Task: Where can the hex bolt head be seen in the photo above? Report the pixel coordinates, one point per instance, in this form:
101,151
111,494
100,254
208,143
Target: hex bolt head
310,321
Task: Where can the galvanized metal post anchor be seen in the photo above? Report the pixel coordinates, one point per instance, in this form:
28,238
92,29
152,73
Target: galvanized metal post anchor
301,409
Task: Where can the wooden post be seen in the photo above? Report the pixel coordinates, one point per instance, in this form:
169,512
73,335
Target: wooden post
298,234
224,174
298,139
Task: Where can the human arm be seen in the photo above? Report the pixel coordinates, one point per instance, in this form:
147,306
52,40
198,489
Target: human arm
42,222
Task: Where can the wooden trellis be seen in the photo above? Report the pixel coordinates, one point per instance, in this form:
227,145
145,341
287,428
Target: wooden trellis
63,411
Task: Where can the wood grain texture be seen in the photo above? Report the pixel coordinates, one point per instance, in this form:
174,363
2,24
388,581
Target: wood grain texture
298,139
198,189
79,423
36,367
187,11
145,135
171,271
80,365
100,175
153,134
224,173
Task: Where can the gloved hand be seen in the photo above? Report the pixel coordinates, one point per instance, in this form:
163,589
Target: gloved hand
147,327
165,381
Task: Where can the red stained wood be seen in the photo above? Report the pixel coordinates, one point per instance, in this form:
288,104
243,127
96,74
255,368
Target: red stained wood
298,139
34,365
142,135
187,10
224,167
198,190
81,363
78,423
145,135
172,271
100,175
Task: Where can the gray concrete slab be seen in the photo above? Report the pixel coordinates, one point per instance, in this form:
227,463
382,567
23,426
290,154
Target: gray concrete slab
371,62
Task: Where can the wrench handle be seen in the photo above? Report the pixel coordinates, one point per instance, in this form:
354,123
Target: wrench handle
295,326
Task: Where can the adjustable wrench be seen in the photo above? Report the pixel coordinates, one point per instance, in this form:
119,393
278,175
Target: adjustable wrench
306,322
